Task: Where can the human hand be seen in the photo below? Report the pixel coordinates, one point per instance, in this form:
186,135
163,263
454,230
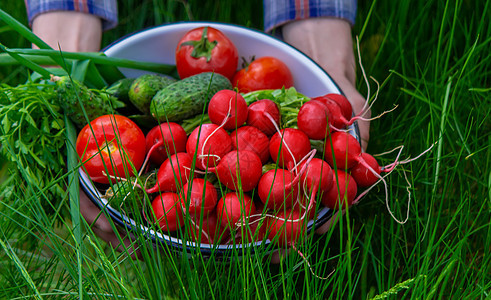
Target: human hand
328,42
73,31
70,31
102,227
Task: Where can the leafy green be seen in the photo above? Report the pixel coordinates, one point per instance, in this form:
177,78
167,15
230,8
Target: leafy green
288,100
33,139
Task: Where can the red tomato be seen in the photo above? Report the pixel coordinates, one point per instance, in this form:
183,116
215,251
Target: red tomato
206,49
262,74
109,146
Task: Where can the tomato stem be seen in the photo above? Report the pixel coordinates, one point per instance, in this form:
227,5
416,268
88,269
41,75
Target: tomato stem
203,47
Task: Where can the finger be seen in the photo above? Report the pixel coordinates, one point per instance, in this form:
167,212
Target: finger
101,226
331,222
358,103
278,255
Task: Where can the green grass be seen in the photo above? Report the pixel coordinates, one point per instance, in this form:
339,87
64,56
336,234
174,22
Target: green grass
432,60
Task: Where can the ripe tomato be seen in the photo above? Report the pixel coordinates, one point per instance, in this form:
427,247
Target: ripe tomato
263,73
111,145
206,49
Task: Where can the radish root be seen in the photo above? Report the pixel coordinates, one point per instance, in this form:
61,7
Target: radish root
310,266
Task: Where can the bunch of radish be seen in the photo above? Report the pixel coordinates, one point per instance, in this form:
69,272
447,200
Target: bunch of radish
243,170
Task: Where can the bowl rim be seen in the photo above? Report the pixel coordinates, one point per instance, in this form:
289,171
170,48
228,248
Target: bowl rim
176,244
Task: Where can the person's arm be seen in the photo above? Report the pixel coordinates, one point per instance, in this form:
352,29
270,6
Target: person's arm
76,26
72,25
322,30
328,41
69,31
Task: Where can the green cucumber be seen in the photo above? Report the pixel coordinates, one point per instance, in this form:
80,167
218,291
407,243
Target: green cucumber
120,89
145,87
129,193
187,97
72,93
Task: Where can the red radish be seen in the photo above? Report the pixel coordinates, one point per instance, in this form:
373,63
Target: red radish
337,120
171,139
257,115
209,142
239,169
200,196
252,139
342,191
303,206
314,119
288,146
207,229
233,208
317,178
173,173
256,231
227,107
167,211
278,188
318,174
344,104
344,152
362,175
287,226
342,111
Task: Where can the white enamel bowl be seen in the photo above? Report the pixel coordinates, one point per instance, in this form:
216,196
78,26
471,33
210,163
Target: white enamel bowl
158,44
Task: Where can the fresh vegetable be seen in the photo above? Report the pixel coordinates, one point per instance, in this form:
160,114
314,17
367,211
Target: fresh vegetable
169,138
362,175
314,119
32,147
239,170
145,87
187,97
207,229
336,118
167,212
278,188
209,143
234,207
288,101
288,146
173,173
120,89
263,114
286,227
206,49
228,109
252,139
77,101
123,191
318,176
342,101
342,150
263,73
200,197
111,147
343,191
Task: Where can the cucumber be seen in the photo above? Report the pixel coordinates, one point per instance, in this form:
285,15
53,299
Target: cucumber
95,103
126,192
120,89
187,97
144,88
